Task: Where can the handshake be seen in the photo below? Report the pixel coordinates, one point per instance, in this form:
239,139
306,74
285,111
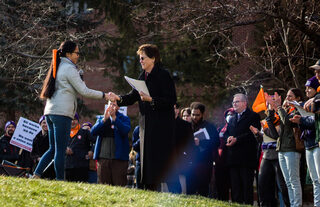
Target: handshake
111,97
114,97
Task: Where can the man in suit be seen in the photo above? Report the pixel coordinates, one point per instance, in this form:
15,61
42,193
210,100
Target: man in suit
242,150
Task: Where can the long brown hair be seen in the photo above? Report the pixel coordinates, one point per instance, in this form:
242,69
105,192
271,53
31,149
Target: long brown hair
48,86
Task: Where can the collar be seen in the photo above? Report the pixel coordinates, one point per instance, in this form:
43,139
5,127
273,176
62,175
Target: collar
65,59
242,112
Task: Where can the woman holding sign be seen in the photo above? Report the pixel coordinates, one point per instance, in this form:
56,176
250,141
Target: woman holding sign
60,89
156,117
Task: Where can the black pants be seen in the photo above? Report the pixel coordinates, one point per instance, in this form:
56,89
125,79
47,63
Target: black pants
270,182
198,181
222,182
173,183
77,174
242,184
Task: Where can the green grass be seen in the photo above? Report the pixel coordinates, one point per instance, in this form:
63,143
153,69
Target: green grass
39,192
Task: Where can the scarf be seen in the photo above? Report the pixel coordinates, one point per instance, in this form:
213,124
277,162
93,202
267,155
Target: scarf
74,131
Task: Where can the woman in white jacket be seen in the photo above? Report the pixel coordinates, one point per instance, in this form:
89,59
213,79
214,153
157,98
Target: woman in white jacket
60,90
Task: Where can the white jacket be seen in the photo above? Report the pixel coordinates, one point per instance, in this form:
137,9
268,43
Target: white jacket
68,85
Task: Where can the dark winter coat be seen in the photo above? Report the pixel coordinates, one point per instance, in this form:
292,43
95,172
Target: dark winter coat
286,141
308,126
7,151
207,149
80,145
156,124
244,152
10,153
39,146
184,145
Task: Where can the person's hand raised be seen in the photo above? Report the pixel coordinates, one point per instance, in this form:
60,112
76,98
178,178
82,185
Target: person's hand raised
295,119
113,110
308,105
277,100
106,115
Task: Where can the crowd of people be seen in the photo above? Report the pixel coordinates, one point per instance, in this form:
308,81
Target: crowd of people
175,147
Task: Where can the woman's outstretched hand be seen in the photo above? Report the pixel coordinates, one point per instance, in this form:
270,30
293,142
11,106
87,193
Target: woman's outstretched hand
112,97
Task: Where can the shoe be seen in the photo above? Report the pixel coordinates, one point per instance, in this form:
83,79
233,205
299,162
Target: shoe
35,176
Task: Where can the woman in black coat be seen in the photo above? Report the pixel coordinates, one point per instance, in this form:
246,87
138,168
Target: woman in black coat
156,117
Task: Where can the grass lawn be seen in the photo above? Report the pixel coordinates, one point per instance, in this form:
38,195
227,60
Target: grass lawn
37,192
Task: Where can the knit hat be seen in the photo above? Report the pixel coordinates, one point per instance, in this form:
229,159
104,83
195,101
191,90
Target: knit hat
228,111
42,118
86,124
313,83
9,123
316,66
76,116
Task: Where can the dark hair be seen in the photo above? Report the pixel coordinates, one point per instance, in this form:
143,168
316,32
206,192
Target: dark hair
297,93
151,51
188,110
198,105
48,86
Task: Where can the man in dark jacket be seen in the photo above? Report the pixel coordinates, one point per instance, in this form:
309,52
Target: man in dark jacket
7,151
12,153
156,117
112,146
242,150
206,148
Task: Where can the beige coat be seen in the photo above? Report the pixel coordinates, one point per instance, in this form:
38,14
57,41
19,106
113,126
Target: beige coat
68,85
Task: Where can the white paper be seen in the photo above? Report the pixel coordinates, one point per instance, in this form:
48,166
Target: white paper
202,134
300,109
24,134
139,85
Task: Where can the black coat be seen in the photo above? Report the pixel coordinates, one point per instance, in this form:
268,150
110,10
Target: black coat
10,153
156,124
80,145
244,152
7,151
39,146
184,145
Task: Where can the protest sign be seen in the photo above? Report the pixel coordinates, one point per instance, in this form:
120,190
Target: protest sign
24,134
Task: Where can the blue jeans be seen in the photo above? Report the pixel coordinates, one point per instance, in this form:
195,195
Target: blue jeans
290,165
313,162
59,131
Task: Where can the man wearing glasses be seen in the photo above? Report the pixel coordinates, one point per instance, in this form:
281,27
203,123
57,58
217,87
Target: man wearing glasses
242,150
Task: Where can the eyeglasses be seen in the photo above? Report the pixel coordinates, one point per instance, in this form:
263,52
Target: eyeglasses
143,58
236,102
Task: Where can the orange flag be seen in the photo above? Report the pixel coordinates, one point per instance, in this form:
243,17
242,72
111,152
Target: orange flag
260,103
54,62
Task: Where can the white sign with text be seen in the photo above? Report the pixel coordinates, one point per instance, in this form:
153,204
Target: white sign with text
24,134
